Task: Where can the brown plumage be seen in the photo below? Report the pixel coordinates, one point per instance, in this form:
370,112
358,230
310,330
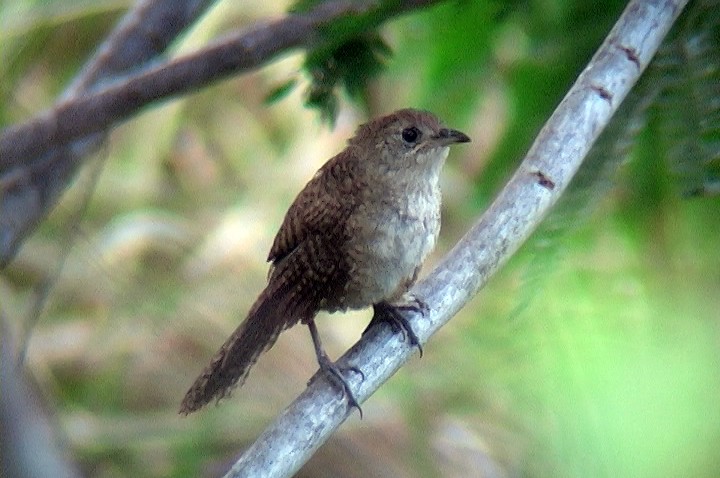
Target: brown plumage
355,236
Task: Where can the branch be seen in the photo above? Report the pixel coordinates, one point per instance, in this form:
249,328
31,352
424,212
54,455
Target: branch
143,34
538,183
79,118
244,51
28,444
30,188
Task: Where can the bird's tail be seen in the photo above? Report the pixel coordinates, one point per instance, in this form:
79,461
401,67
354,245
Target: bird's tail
271,314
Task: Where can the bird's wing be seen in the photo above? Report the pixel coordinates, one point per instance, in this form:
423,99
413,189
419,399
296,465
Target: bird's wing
321,209
307,270
299,284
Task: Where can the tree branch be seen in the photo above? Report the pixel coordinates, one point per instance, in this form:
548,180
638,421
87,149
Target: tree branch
28,444
30,188
241,52
79,118
143,34
538,183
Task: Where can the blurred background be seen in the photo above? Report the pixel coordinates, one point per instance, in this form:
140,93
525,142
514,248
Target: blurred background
594,352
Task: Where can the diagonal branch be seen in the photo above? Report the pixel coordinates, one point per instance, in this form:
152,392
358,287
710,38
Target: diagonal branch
144,33
30,189
538,183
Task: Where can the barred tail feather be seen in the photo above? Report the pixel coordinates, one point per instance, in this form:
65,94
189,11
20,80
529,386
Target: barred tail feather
230,366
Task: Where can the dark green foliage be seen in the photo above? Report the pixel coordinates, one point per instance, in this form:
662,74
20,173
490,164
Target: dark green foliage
351,65
688,108
668,125
559,46
350,54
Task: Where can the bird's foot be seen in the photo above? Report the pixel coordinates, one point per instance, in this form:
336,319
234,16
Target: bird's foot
334,374
394,315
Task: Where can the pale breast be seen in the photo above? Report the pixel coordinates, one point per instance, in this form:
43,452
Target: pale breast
387,250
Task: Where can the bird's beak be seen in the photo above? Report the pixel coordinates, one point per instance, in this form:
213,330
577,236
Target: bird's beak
447,137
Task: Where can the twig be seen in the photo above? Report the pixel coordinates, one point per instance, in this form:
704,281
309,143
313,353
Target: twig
538,183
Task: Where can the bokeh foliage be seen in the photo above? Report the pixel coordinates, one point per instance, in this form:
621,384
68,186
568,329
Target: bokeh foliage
594,353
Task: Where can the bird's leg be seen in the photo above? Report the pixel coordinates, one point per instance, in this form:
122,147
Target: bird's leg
331,370
394,315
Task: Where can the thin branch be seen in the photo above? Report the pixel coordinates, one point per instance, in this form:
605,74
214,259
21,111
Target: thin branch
538,183
30,189
241,52
143,34
28,442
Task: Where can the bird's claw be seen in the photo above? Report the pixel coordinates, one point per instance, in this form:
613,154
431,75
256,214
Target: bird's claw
334,374
394,315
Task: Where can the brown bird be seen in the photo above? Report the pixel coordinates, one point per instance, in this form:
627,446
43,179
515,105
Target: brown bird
355,236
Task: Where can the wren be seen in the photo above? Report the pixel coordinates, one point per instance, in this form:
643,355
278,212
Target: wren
356,236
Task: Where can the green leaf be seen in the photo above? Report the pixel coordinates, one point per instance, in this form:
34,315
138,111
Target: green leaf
350,66
281,91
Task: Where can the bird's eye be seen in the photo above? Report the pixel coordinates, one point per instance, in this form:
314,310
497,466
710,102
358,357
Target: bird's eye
411,134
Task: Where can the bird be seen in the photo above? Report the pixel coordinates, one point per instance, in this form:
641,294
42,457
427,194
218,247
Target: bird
355,236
